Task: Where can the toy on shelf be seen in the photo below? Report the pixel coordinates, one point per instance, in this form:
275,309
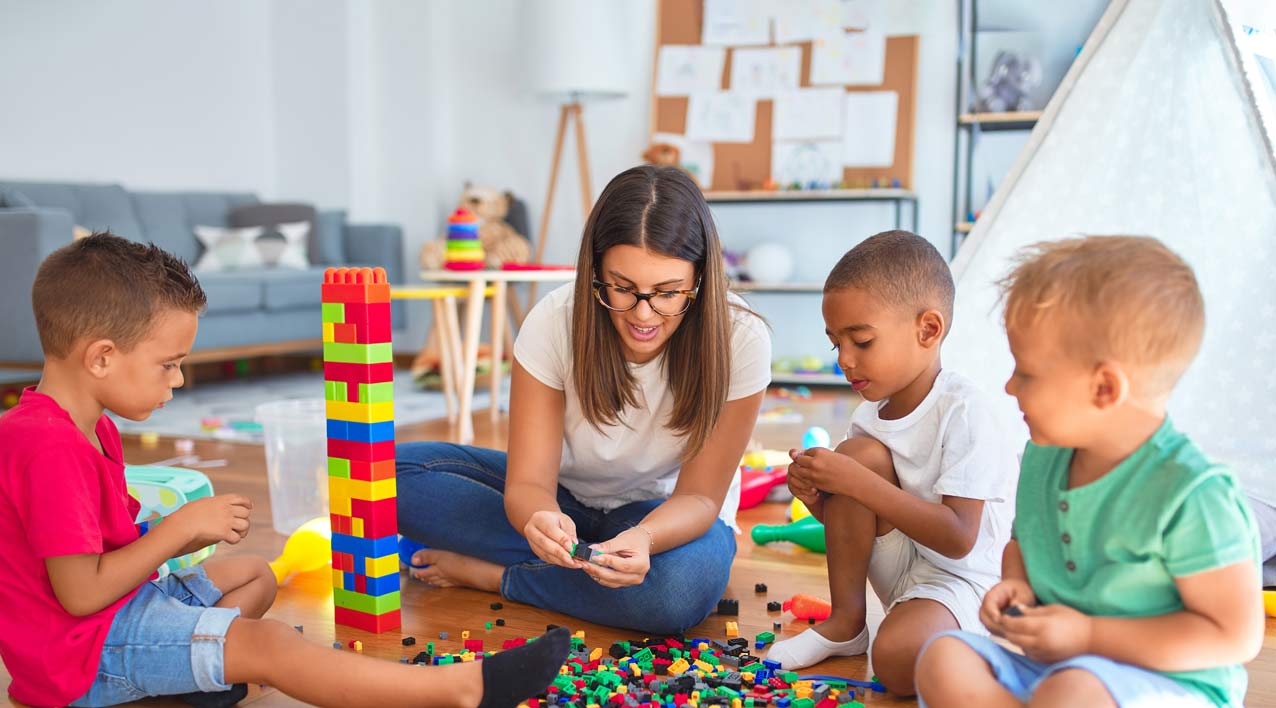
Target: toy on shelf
309,548
464,250
806,532
815,436
358,374
161,491
497,224
808,607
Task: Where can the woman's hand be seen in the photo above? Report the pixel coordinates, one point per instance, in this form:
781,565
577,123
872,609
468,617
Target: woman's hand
622,561
551,535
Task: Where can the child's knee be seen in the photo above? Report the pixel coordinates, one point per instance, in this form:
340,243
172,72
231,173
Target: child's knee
1071,687
869,452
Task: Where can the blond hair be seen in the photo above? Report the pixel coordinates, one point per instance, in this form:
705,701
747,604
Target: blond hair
1128,299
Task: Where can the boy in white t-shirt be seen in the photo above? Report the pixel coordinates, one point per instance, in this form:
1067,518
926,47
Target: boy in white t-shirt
915,500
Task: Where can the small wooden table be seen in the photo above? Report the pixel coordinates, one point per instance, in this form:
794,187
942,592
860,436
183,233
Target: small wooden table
479,281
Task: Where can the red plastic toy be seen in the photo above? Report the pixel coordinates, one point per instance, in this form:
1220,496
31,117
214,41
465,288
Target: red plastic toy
755,484
808,607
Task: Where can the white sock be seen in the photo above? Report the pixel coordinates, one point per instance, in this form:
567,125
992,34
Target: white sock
810,647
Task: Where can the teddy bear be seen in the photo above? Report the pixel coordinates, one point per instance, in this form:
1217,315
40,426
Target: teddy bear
666,155
501,242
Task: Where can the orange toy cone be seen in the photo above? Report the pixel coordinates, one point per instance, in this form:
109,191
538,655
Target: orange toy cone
308,548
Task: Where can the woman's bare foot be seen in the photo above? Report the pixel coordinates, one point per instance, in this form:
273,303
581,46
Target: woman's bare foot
447,569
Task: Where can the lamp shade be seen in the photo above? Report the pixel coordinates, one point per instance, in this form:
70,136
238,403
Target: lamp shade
574,48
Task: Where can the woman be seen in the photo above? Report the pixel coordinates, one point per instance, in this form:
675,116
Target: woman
634,393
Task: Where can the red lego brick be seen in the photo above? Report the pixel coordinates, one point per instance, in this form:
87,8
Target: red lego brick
474,645
371,471
371,321
344,333
379,517
339,523
368,623
361,584
355,374
365,452
355,285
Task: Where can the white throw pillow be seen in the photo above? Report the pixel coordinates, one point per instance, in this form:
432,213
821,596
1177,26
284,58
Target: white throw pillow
281,246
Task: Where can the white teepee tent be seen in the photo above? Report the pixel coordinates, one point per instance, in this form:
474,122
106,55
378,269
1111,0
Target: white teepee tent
1153,131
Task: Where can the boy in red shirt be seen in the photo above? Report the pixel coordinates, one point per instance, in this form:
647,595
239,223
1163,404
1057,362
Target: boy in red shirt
83,621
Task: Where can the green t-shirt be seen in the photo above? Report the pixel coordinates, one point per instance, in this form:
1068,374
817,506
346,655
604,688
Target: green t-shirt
1112,548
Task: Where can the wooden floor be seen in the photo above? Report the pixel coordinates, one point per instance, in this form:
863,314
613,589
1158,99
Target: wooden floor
307,600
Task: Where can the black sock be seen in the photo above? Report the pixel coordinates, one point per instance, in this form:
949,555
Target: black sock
513,675
217,699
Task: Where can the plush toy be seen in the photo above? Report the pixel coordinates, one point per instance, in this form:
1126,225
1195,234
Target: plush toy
501,242
666,155
1008,84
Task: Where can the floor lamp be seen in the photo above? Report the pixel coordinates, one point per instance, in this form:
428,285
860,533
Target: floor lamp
575,58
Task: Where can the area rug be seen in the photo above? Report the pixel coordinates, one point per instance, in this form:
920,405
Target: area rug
226,410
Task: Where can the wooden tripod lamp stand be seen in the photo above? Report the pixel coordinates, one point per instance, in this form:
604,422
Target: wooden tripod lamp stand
575,58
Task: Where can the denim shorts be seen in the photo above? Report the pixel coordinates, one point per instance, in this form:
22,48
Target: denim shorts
1130,686
166,641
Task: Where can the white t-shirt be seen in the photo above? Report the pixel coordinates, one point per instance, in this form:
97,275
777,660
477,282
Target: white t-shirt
953,444
639,458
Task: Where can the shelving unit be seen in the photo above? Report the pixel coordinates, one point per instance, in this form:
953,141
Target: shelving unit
904,201
900,198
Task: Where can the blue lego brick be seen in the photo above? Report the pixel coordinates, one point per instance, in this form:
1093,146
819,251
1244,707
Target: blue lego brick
360,566
337,429
347,581
383,585
365,547
360,432
772,665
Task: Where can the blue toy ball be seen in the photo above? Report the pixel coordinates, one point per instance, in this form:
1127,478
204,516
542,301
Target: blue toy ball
815,436
407,549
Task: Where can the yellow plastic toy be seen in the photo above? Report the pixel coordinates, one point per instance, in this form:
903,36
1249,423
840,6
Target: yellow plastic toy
308,548
1269,602
798,510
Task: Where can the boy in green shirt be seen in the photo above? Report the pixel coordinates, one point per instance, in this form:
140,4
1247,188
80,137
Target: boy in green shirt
1132,576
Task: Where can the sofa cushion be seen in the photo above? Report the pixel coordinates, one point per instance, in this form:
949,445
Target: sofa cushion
292,289
329,238
98,207
232,291
169,218
274,214
13,199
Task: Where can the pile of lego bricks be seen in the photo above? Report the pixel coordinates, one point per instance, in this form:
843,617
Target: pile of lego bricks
672,672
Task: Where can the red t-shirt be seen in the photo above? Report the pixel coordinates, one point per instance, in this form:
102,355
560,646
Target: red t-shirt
59,496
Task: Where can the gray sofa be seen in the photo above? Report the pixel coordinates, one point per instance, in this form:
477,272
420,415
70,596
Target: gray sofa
248,311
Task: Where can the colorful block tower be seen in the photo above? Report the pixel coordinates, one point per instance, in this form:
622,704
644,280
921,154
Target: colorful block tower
358,373
464,249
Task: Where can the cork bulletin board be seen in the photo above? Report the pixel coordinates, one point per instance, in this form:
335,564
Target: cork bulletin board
746,166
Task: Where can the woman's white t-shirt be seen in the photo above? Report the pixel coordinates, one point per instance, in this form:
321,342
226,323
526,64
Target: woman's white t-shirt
639,458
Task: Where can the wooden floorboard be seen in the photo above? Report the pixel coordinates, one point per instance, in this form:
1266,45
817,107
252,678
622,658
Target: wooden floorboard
307,600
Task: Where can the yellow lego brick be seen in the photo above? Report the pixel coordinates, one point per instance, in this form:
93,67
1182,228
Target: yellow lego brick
338,579
467,656
360,412
339,496
679,667
385,565
636,670
622,689
356,526
465,634
737,703
580,634
704,666
369,491
747,676
329,332
596,654
733,629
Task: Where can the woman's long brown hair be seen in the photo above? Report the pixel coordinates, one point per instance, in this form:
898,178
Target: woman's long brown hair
661,210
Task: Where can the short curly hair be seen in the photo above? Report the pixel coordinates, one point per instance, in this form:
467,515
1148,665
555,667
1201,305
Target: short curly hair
900,267
107,287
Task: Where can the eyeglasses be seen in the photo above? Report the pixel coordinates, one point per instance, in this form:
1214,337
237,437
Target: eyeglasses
666,303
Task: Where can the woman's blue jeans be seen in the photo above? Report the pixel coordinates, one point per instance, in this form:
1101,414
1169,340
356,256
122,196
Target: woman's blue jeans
452,497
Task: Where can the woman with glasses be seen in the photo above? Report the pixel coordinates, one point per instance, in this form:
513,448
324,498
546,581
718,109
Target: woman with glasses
634,393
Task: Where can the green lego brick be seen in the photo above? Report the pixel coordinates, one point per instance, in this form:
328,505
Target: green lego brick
334,312
803,703
371,604
765,637
334,391
376,393
344,353
338,467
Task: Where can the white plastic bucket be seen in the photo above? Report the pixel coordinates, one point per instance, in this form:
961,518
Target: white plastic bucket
296,439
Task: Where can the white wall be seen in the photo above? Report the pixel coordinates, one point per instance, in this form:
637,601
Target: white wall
146,92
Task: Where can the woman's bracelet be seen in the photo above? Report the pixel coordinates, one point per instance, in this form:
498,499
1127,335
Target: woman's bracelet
650,537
